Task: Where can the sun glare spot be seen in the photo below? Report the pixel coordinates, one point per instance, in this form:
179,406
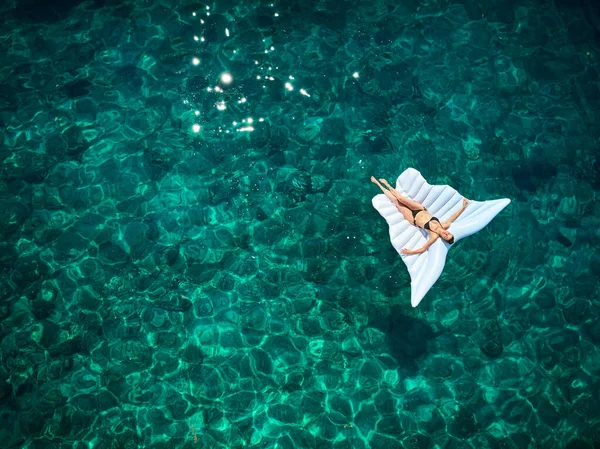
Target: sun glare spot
226,78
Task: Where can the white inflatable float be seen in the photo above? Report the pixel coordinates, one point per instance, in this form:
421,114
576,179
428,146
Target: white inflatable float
441,202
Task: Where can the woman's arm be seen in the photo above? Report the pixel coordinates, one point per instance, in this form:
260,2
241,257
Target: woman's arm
432,238
447,223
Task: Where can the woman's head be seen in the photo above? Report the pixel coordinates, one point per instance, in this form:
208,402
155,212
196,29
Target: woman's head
443,233
447,236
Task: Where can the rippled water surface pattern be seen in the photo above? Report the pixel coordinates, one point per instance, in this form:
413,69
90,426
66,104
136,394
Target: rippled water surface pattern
189,256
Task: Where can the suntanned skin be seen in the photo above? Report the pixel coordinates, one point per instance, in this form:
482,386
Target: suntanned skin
406,206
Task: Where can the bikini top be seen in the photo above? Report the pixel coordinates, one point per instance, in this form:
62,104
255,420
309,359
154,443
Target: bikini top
426,225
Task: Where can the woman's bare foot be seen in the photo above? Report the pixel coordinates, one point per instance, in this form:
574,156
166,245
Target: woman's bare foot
378,184
387,184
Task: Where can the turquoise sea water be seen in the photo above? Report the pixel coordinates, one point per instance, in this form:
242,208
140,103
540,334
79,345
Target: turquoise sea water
191,263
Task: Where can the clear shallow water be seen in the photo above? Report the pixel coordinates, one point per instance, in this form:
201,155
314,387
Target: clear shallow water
167,286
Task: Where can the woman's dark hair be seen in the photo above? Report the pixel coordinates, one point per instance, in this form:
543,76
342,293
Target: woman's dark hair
451,241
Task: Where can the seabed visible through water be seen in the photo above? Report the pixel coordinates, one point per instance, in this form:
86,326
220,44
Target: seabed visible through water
189,257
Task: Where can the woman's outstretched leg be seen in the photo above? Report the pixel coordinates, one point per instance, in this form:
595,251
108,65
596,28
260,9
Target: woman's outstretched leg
389,194
404,210
412,205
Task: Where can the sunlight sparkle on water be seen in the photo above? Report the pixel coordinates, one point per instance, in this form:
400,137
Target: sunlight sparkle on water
196,128
226,78
195,61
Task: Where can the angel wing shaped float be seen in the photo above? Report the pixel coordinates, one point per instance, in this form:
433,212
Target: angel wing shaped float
440,201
